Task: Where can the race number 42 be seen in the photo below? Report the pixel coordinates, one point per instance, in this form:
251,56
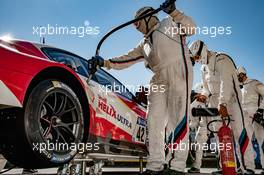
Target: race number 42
140,131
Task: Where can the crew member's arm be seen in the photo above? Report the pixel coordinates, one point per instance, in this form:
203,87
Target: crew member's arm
187,24
260,91
203,96
122,62
226,69
205,91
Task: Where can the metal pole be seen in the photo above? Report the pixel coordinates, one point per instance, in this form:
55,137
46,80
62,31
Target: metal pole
140,165
84,165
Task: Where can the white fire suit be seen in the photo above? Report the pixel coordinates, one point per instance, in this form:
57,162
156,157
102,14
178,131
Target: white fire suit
221,86
253,93
2,162
167,55
200,125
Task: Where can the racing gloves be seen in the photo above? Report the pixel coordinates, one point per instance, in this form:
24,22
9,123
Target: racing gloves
201,98
260,112
168,6
94,63
223,111
258,117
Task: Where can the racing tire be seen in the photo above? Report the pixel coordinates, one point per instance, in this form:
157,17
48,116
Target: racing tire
49,130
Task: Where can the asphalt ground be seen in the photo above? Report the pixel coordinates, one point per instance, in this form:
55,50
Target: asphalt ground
116,171
52,171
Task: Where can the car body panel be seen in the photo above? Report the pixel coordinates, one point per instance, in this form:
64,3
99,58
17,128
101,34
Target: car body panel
113,116
114,119
24,47
7,97
18,69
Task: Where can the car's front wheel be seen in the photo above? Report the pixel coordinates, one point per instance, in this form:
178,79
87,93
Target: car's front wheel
50,130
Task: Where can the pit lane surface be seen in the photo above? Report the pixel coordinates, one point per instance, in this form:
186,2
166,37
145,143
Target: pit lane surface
106,171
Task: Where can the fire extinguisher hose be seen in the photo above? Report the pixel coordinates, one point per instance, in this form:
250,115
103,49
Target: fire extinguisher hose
225,121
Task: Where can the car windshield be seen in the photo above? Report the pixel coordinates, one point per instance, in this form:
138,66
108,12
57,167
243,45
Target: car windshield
80,65
74,62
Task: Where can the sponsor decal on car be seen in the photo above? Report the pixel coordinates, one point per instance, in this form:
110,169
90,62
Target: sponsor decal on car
110,110
139,134
58,159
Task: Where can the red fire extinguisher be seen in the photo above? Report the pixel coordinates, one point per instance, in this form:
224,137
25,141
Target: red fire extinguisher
225,134
227,152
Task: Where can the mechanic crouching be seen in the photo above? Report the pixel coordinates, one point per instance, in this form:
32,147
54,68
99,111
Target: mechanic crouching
221,89
166,54
198,125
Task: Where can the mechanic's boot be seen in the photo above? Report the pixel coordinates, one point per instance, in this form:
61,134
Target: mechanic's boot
150,172
172,172
239,171
218,172
249,172
194,170
29,171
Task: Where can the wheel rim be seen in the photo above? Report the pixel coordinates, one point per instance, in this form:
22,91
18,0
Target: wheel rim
60,120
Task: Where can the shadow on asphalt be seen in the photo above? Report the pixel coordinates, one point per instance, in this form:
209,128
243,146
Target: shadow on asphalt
138,174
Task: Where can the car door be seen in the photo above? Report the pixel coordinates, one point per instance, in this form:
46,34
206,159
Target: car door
125,119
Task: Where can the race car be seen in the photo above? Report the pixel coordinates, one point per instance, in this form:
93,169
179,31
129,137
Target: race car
49,112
